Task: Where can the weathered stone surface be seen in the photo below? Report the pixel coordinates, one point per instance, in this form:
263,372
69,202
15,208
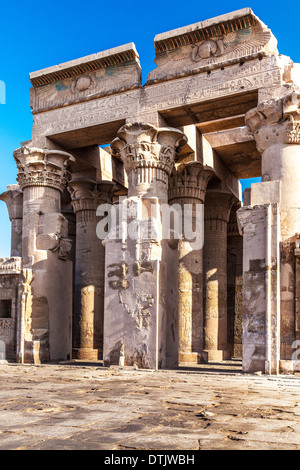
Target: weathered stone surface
84,79
87,407
207,45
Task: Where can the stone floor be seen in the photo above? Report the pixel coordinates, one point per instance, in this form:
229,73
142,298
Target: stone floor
87,407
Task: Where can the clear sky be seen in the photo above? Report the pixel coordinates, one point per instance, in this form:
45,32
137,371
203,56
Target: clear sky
35,35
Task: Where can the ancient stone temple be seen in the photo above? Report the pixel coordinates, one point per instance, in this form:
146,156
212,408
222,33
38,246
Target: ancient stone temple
95,273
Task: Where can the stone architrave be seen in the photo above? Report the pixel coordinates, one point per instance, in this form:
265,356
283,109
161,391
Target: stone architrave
217,209
275,125
87,194
187,187
135,268
42,176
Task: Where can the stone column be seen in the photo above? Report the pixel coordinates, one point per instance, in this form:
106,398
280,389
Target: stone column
187,188
234,284
216,213
42,176
87,195
136,274
275,125
13,198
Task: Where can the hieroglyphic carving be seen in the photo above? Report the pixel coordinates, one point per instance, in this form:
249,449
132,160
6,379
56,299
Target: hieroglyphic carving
293,134
135,303
100,110
218,83
180,92
140,312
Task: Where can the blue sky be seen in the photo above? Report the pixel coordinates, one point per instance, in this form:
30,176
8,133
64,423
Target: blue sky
35,35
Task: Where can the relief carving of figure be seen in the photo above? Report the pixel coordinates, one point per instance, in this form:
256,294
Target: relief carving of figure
207,49
84,82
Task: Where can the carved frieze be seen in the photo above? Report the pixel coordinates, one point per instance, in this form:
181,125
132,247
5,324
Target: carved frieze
219,83
219,42
105,109
88,78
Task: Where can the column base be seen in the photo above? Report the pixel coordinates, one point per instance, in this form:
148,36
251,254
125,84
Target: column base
218,355
35,352
85,353
193,357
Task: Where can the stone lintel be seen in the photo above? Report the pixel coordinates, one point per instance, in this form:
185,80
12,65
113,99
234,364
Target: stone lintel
226,39
199,148
211,159
80,80
229,137
184,101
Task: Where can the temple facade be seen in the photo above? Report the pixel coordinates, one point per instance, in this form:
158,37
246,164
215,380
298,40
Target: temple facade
131,242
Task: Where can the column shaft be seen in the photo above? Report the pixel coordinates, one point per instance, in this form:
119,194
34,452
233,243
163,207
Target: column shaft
187,188
87,195
217,211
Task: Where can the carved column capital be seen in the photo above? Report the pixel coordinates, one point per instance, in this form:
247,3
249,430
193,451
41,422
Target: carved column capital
148,154
189,181
42,167
217,209
13,198
275,121
87,194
